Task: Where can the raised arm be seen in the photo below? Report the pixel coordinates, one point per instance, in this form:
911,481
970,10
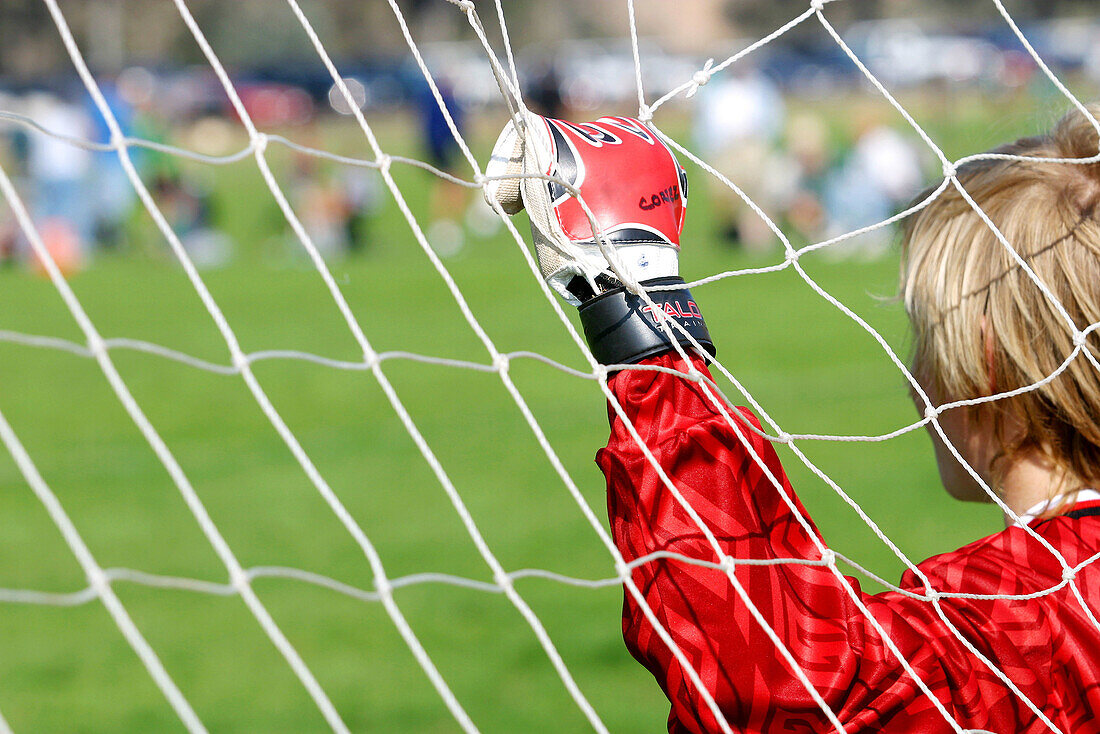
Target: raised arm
811,610
635,192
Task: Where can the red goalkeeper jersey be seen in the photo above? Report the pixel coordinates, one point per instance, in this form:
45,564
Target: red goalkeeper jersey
1047,646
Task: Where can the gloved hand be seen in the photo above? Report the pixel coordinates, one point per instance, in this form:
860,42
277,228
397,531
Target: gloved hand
630,180
636,192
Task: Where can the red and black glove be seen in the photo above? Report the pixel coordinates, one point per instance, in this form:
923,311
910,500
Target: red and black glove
636,192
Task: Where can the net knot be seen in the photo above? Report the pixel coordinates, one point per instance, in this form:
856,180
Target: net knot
501,363
949,170
790,256
503,580
384,162
828,557
1068,574
97,579
728,564
261,142
700,78
645,113
930,412
933,595
600,372
817,5
782,437
383,586
1079,338
96,345
466,6
240,360
238,578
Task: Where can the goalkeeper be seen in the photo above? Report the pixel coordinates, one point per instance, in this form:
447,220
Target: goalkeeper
981,327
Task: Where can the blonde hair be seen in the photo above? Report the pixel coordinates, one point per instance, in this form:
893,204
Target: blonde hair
980,323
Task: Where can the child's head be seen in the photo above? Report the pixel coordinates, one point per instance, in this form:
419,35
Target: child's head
980,323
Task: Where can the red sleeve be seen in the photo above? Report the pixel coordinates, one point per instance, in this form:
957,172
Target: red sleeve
809,607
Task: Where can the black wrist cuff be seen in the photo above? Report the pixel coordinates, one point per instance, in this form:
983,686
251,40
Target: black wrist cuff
620,328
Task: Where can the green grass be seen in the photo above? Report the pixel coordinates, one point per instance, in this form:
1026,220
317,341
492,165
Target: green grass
69,669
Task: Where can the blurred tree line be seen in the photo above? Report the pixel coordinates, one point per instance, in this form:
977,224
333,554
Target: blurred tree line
114,33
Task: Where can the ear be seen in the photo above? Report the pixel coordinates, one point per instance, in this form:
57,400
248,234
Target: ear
987,343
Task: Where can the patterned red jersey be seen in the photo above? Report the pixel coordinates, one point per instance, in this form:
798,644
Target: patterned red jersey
1047,646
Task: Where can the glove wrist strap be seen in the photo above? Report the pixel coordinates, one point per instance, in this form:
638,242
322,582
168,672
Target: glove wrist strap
621,328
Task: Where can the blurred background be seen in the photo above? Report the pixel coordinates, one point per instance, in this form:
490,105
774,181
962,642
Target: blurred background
794,124
802,161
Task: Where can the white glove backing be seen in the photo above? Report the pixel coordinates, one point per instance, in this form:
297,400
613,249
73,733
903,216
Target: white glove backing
630,181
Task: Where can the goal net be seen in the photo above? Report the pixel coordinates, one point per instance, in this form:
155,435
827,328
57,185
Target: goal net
377,384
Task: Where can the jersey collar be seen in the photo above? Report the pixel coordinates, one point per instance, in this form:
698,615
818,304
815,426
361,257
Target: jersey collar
1089,496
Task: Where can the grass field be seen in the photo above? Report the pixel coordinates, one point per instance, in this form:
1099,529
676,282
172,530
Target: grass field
69,669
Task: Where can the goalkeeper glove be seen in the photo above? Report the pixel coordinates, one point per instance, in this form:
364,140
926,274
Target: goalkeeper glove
636,193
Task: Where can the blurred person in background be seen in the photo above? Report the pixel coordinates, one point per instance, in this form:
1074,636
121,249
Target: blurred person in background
9,228
113,195
362,194
188,205
185,197
881,172
446,200
335,202
14,143
742,147
9,239
808,147
60,173
322,206
358,189
542,93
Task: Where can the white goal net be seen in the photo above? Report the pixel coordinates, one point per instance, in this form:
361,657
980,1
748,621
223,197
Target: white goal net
385,589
